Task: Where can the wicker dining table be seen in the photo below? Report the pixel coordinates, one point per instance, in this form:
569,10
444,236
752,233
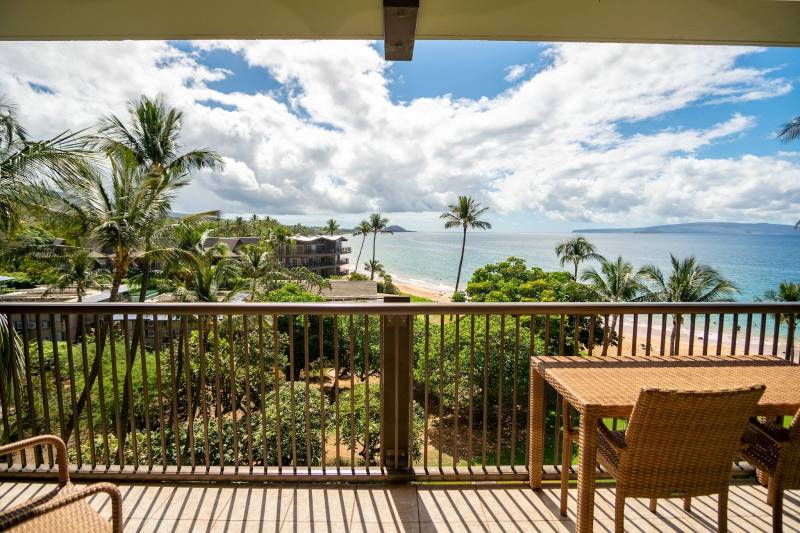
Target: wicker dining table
607,387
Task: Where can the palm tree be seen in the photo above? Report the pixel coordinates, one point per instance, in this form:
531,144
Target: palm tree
256,264
373,267
464,214
787,292
331,227
576,251
689,281
616,282
363,229
25,163
208,277
377,224
150,137
790,131
80,270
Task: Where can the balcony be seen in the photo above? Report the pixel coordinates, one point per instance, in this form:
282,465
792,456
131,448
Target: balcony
341,393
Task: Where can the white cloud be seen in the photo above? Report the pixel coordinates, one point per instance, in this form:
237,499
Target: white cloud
334,141
515,72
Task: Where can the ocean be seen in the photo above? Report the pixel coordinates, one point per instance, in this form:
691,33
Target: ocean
755,263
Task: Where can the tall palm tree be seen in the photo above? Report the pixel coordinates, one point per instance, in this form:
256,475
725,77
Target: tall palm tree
150,136
116,213
24,163
576,251
363,229
377,224
80,270
465,214
790,131
373,267
331,227
616,282
689,281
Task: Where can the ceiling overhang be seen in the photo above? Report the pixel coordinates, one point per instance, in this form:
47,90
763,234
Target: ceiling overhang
759,22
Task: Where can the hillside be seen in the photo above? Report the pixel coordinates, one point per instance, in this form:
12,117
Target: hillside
718,228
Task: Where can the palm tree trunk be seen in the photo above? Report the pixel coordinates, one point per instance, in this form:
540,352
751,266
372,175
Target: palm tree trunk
363,239
461,261
673,337
576,270
95,370
139,326
374,239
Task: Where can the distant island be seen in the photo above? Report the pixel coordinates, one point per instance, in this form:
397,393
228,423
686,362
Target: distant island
399,229
718,228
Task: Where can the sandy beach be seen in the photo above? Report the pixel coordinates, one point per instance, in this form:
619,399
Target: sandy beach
423,292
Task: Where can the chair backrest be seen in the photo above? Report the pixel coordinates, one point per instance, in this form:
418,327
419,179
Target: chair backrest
682,443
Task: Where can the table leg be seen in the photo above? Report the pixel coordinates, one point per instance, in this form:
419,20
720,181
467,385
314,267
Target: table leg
586,472
535,429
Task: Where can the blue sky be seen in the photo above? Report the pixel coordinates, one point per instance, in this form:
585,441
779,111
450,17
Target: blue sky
550,136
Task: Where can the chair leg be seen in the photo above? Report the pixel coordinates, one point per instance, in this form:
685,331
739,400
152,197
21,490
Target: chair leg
771,490
722,511
687,504
566,456
619,513
653,505
777,511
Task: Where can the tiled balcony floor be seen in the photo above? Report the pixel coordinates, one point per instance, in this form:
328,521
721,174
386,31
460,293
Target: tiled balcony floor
385,508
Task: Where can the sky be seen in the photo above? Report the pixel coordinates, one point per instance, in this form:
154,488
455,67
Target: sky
551,137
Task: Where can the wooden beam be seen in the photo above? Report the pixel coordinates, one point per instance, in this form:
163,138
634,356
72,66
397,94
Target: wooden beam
399,29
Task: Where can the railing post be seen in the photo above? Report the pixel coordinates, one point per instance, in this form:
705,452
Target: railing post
398,356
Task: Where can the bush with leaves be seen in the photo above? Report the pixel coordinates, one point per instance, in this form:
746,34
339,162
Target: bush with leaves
262,430
512,281
365,435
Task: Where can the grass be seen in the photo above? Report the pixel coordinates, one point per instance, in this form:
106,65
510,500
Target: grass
417,299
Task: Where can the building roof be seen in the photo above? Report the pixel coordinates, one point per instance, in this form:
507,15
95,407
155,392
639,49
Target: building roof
232,243
6,278
346,290
313,238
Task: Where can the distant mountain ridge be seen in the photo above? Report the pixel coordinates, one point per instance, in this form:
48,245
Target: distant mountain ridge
399,229
718,228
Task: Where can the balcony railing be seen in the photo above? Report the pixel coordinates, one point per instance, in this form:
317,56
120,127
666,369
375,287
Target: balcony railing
326,391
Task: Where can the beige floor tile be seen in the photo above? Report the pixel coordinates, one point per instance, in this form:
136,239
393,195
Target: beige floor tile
15,492
384,527
269,503
244,526
450,504
455,527
315,527
322,503
144,525
386,503
511,503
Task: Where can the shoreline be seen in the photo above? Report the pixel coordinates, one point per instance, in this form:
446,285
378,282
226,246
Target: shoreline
415,290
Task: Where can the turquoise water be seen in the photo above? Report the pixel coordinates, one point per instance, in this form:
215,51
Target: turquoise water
754,263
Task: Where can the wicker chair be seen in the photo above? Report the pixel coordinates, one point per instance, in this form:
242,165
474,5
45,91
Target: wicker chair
676,444
63,509
775,452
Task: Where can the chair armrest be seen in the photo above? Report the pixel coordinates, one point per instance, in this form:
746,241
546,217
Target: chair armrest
773,432
56,442
615,438
27,513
